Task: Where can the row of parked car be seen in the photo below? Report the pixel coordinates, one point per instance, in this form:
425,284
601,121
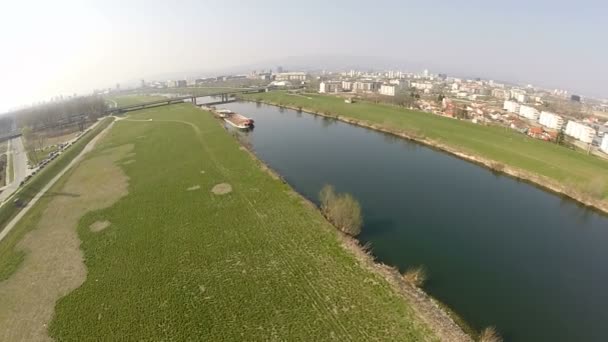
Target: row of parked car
60,149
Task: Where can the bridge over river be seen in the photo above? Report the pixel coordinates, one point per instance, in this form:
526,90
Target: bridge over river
224,97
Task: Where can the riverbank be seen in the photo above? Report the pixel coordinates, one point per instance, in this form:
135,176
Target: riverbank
442,320
250,260
546,183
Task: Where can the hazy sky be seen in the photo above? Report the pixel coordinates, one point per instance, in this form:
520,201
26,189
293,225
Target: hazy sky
64,46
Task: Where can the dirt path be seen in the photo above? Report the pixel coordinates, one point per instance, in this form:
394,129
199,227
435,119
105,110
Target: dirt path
54,265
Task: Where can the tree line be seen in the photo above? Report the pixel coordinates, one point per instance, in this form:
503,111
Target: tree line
75,111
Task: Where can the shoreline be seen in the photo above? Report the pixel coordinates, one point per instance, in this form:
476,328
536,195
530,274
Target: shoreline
431,312
536,180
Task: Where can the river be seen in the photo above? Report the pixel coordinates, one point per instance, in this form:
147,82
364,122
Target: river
498,251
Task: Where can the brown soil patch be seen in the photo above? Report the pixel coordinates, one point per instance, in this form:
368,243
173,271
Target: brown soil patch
99,226
130,161
221,189
194,187
53,265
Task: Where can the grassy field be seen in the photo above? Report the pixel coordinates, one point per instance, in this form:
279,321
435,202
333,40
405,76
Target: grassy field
505,146
177,261
9,259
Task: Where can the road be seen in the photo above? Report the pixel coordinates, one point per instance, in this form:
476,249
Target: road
74,161
19,165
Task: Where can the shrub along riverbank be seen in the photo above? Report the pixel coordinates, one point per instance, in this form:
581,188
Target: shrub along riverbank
575,174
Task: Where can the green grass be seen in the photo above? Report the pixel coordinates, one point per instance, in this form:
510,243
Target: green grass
569,167
255,264
28,191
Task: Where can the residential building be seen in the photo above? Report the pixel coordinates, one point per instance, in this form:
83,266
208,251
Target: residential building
550,120
604,145
521,98
422,85
511,106
580,131
347,85
330,87
388,90
501,94
528,112
401,83
366,86
181,83
291,76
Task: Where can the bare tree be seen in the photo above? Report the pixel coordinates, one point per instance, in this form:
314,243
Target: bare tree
342,210
489,334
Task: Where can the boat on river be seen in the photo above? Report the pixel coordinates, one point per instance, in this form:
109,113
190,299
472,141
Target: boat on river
239,121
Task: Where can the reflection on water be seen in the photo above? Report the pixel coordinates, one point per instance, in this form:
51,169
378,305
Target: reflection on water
498,251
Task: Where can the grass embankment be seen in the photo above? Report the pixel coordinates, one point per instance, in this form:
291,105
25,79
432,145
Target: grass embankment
10,172
575,171
10,258
179,261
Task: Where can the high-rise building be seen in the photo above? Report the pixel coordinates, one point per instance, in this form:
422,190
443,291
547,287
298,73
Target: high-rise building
511,106
604,145
528,112
580,131
551,120
388,89
279,69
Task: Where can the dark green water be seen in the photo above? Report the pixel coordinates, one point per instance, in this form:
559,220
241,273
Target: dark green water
498,251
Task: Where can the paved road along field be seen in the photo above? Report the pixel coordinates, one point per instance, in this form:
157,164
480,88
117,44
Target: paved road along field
19,165
16,219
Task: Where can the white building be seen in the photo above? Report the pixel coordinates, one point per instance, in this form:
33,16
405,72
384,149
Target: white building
522,98
347,85
422,85
501,94
511,107
550,120
388,90
528,112
604,145
290,76
366,86
580,132
330,87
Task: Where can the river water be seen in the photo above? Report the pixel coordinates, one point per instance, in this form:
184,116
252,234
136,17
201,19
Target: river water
498,251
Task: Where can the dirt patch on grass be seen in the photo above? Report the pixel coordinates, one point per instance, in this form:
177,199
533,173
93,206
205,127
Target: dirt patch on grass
202,172
130,161
54,265
99,226
222,189
194,187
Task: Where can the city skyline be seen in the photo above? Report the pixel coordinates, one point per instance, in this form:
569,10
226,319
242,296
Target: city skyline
70,46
